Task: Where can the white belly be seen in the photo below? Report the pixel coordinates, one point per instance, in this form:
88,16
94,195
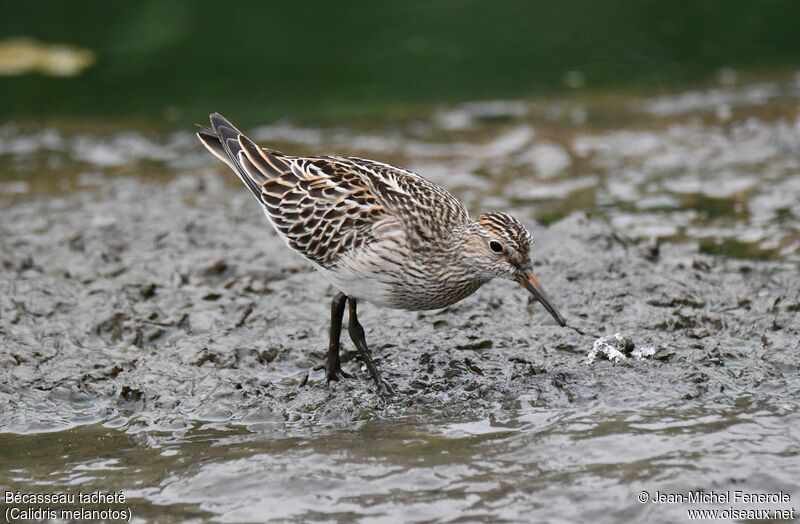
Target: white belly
361,285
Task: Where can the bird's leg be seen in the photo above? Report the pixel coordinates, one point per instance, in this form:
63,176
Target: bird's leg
333,365
357,336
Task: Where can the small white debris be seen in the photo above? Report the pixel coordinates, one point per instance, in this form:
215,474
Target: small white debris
646,352
611,348
616,348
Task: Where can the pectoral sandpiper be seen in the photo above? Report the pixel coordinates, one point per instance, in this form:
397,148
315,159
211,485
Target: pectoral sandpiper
376,233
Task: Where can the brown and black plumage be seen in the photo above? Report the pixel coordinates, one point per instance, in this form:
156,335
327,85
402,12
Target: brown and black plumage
376,232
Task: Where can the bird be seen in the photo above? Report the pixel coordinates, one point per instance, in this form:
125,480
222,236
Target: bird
377,233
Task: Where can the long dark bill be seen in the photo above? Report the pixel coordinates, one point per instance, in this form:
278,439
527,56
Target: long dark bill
529,282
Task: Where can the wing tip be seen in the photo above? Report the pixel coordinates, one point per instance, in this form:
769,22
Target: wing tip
212,142
222,126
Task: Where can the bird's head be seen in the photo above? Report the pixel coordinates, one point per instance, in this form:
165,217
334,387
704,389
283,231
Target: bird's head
498,245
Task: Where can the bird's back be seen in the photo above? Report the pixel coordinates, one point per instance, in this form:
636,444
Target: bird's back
374,230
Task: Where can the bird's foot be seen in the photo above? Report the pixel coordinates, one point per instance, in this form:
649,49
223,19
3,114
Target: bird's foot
385,390
334,373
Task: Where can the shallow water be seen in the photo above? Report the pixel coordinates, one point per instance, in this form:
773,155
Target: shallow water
154,335
522,464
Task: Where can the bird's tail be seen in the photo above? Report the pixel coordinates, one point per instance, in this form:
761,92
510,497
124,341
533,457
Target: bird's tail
252,164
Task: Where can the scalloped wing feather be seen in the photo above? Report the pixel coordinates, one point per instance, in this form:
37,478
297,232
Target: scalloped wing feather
330,207
321,212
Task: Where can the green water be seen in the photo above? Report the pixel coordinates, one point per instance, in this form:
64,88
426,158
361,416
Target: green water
325,61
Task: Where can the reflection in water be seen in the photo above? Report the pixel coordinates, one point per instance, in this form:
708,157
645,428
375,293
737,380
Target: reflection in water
542,465
21,56
318,60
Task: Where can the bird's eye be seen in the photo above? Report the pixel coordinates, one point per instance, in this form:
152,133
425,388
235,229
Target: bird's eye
495,246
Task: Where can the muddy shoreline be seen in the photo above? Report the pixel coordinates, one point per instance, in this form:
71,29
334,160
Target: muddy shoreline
149,306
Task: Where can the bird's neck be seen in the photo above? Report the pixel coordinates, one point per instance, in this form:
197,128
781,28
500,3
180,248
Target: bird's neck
457,252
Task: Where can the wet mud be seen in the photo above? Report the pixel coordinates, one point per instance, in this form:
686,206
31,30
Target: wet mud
162,321
161,305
